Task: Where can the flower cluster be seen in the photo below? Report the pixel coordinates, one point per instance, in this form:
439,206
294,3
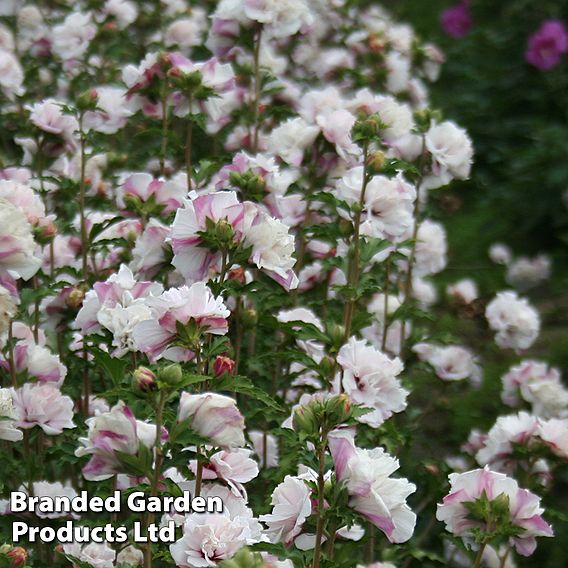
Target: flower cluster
221,252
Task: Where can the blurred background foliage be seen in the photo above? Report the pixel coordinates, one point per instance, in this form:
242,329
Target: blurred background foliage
517,117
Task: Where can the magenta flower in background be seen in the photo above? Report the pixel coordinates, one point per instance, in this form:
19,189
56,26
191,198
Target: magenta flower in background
547,45
456,20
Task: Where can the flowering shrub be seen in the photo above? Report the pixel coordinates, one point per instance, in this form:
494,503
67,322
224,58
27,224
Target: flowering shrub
219,241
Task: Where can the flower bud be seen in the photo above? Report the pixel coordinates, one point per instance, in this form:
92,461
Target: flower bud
338,409
87,100
18,555
244,558
305,421
222,365
144,380
224,232
327,366
337,334
345,228
75,298
132,202
377,160
171,375
237,274
249,318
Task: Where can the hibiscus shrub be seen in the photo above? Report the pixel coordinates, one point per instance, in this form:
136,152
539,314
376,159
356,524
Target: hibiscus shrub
222,249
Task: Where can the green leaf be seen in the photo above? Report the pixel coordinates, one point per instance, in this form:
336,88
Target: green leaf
114,368
243,385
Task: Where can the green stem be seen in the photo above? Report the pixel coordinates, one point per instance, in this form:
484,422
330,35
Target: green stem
479,557
412,257
12,363
503,559
386,305
188,145
354,253
156,473
84,236
321,519
164,143
257,89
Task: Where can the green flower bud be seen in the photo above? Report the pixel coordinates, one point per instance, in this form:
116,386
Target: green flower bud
337,334
249,318
327,366
171,375
338,409
87,100
305,421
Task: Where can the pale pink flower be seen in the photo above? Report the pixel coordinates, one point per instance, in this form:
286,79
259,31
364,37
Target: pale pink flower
234,466
451,151
212,537
554,433
11,75
112,111
188,31
516,322
431,248
109,433
450,362
291,502
272,246
97,555
524,507
374,494
38,362
8,415
71,39
17,245
291,139
149,251
370,378
23,196
524,273
508,432
48,116
43,405
192,260
143,187
179,306
500,254
213,416
124,12
464,290
539,385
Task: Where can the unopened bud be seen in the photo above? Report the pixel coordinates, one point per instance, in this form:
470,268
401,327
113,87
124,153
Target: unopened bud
224,232
132,202
377,160
432,468
327,366
345,228
250,318
75,298
338,409
237,274
337,334
171,375
18,555
87,100
305,421
223,365
144,379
